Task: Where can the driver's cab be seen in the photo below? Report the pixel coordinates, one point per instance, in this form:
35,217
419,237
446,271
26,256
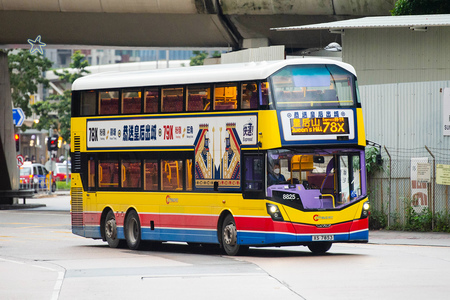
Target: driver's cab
317,180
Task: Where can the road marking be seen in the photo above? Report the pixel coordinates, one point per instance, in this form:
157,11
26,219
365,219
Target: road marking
204,275
59,279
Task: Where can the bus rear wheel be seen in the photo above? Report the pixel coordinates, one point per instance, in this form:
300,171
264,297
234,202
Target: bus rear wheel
110,229
132,230
229,238
320,247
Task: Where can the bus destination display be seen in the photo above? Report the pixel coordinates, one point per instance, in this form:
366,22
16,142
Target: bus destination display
318,126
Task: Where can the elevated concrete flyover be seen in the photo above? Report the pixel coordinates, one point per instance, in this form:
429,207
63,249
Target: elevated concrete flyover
177,23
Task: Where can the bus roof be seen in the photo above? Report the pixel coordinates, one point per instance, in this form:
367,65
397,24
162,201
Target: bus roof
195,75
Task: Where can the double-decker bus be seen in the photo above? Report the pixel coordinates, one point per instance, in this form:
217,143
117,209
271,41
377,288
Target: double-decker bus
238,155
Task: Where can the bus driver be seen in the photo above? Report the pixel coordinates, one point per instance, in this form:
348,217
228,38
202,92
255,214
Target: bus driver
275,177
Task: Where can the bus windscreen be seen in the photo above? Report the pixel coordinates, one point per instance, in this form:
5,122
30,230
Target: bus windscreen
302,86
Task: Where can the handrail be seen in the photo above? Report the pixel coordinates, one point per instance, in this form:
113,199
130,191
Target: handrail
329,195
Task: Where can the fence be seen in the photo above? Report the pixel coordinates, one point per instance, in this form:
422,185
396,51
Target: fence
400,201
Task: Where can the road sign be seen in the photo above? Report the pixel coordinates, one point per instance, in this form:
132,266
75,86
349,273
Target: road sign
18,116
19,160
50,165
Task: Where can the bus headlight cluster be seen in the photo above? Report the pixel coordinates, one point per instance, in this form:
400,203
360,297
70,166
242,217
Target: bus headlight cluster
365,211
274,212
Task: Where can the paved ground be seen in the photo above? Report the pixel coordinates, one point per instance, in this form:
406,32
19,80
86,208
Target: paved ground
60,201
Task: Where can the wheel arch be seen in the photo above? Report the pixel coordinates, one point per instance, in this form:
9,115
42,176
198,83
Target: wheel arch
103,220
130,209
222,217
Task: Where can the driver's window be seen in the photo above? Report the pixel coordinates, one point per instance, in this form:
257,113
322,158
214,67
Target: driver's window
278,170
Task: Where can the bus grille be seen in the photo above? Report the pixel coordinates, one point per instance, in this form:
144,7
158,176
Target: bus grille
77,206
76,156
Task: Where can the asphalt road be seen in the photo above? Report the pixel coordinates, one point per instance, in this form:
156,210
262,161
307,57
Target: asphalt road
41,259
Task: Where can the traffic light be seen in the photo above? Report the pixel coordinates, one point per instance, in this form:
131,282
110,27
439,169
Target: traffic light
52,143
17,139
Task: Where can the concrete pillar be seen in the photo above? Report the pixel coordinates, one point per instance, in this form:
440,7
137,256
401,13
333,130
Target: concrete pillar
9,174
255,43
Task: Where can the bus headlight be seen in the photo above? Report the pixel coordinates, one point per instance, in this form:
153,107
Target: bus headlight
274,212
365,210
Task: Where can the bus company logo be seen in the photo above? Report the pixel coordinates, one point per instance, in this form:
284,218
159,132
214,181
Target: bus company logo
319,217
93,134
169,199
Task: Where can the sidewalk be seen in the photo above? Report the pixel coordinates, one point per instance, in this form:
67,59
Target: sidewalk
58,201
389,237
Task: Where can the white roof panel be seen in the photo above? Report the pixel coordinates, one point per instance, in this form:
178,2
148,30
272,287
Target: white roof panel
377,22
194,75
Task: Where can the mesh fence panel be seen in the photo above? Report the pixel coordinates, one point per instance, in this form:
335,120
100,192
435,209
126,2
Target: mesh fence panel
399,198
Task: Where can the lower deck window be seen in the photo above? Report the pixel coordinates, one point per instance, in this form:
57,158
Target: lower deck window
171,175
150,175
108,173
131,174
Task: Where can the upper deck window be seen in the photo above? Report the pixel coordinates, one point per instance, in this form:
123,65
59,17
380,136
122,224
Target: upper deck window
88,103
172,99
198,97
109,103
131,101
151,100
249,95
314,86
225,96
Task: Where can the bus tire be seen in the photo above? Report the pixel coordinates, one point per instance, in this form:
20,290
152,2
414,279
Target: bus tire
132,229
110,230
229,238
320,247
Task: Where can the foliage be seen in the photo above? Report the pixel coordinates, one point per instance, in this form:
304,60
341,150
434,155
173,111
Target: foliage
377,220
216,54
421,7
199,58
418,221
442,222
62,185
26,72
372,164
61,103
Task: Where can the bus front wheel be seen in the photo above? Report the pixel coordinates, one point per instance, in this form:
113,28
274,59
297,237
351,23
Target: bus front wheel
319,247
133,230
229,238
110,228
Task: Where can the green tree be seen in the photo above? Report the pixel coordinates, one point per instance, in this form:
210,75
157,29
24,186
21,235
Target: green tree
421,7
26,72
199,58
61,104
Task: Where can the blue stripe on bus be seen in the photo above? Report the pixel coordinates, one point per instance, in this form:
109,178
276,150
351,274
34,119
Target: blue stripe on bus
210,236
362,235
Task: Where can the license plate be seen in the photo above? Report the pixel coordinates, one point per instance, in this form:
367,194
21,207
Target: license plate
323,237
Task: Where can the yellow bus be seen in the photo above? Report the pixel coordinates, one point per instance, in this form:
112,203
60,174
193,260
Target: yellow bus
238,155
